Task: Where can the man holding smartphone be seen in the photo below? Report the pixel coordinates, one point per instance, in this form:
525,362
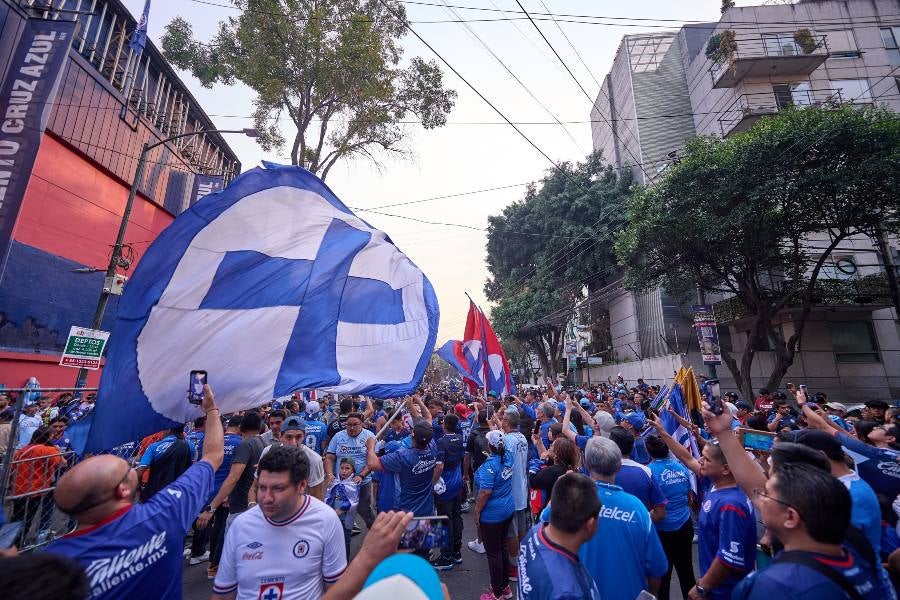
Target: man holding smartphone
99,493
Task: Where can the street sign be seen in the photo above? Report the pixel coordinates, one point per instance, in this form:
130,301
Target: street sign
84,348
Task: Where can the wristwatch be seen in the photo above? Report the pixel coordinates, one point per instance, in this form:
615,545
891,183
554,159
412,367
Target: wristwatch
701,591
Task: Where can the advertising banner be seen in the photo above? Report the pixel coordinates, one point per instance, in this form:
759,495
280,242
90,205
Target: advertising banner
707,333
84,348
26,99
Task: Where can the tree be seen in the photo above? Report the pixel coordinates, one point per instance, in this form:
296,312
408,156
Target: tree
331,66
545,249
736,216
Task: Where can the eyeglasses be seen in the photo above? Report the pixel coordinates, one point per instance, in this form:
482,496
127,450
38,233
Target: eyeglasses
761,493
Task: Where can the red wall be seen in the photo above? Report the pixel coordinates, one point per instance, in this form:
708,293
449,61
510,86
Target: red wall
16,368
77,216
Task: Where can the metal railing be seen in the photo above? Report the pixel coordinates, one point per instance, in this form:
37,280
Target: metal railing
758,104
774,45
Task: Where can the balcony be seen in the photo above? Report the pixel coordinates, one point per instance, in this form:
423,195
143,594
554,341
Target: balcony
865,293
747,109
768,55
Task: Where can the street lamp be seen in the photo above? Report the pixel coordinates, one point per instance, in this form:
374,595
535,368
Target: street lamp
117,249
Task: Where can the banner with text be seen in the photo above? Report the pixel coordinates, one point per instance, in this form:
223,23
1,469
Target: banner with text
707,333
204,185
26,99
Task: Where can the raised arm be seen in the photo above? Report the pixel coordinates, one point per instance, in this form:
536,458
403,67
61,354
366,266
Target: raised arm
746,472
681,453
567,419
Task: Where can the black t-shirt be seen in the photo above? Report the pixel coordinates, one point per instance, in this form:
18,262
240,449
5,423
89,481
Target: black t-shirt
246,453
477,446
335,426
167,468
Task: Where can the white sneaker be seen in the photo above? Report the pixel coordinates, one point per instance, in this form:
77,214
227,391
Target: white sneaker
187,552
476,546
196,560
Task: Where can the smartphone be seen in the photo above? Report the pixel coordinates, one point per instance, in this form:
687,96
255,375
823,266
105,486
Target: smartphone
757,440
9,533
195,386
805,389
426,532
537,428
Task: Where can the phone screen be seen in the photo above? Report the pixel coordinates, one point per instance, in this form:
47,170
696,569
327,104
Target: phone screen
758,440
426,532
195,390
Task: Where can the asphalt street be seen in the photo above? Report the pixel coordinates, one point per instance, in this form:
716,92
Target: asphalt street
465,582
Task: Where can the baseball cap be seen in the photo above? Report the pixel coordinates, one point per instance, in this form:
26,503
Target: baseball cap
877,404
462,411
422,432
293,423
402,577
492,394
494,438
312,407
636,420
836,406
605,421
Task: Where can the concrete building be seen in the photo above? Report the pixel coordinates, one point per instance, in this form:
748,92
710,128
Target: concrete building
803,54
64,217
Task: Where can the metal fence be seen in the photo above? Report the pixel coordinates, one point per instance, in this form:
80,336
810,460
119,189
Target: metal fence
29,474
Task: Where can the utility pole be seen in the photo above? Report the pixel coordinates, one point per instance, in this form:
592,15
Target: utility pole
889,267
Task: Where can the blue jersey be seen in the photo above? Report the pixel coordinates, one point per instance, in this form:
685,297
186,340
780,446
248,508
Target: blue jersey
315,435
343,445
625,551
465,426
878,466
391,436
674,479
232,440
545,432
414,469
495,474
516,445
866,512
157,449
549,571
196,438
450,452
726,532
639,454
798,582
136,553
637,480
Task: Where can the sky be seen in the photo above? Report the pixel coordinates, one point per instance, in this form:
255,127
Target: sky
462,156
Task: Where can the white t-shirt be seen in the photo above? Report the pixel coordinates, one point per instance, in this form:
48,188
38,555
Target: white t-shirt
288,560
316,467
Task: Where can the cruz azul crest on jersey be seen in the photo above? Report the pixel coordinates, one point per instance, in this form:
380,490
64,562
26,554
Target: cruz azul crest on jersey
272,285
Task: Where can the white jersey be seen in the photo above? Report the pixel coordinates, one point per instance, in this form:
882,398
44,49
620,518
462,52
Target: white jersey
288,560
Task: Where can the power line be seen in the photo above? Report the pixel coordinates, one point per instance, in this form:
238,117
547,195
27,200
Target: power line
493,189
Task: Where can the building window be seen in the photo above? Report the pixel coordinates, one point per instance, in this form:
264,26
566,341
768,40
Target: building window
853,90
891,38
853,342
781,44
840,267
842,44
792,94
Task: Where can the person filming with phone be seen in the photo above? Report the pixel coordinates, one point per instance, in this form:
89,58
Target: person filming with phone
99,493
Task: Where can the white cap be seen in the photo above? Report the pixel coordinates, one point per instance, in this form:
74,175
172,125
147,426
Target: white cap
312,407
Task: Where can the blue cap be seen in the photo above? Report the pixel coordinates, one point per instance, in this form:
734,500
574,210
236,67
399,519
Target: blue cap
402,577
636,420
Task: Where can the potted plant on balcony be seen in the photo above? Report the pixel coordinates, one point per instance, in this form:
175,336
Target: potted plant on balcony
804,38
722,47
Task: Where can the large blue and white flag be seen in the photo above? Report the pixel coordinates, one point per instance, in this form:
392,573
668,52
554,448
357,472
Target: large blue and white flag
139,36
271,286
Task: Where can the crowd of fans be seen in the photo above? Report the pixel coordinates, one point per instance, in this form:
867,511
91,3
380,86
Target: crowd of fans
575,493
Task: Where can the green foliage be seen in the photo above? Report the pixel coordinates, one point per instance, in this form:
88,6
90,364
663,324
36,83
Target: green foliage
332,67
544,249
804,38
736,215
